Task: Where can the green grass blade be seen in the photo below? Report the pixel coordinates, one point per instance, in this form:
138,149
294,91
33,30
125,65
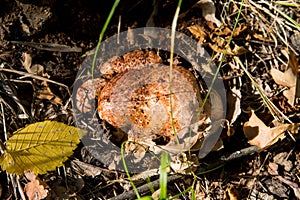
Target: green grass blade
127,172
174,24
163,179
102,33
184,192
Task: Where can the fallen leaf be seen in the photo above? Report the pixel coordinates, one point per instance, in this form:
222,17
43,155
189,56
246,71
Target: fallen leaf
30,175
287,79
231,193
43,90
222,31
293,62
239,30
35,191
86,169
40,147
290,95
45,93
26,62
199,32
35,188
295,65
273,169
237,50
282,160
262,38
234,102
261,135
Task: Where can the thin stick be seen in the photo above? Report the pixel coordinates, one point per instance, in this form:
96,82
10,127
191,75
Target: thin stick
3,122
50,46
143,189
35,77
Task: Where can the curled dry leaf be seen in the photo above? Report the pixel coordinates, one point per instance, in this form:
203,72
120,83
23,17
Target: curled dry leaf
85,168
236,51
231,193
26,62
199,32
261,135
287,79
44,91
35,189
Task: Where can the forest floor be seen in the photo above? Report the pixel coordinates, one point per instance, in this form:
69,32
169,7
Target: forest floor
264,97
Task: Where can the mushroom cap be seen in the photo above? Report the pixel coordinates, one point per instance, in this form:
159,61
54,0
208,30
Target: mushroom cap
138,101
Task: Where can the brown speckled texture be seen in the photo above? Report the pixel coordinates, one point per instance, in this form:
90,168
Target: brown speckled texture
137,98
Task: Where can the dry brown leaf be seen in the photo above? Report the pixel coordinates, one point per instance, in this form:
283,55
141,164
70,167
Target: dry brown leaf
239,30
26,62
32,69
290,95
238,50
44,92
261,135
231,193
30,175
233,104
85,168
287,79
295,65
282,159
222,31
293,62
199,32
262,38
34,189
273,169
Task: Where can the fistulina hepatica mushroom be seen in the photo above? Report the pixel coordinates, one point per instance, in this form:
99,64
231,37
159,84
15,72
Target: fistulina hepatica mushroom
148,101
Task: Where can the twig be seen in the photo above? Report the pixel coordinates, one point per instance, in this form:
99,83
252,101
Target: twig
144,188
9,91
216,164
35,77
3,122
21,192
50,46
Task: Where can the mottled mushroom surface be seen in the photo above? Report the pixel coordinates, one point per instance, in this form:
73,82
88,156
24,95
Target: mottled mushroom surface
147,100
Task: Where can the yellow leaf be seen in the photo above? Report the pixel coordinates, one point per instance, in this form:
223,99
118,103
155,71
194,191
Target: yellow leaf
40,147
